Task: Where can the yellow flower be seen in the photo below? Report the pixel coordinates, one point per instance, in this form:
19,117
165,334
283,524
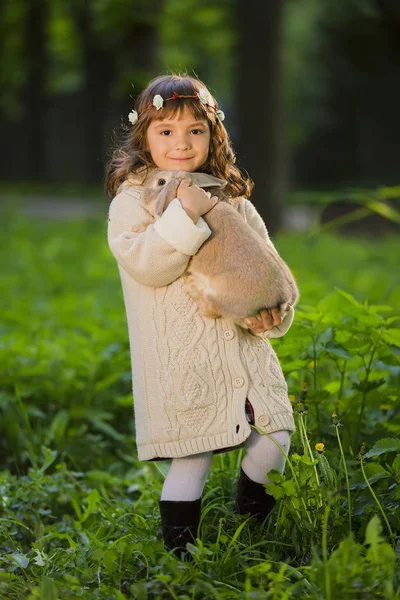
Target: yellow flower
320,447
292,397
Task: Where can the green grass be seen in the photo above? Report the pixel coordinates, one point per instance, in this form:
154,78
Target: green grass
45,189
79,512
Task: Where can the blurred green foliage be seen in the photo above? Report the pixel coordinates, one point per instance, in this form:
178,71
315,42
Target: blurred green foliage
79,511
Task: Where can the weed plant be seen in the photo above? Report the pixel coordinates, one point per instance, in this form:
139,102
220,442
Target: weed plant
79,514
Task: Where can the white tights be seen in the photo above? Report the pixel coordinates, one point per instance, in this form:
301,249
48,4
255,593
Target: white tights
187,476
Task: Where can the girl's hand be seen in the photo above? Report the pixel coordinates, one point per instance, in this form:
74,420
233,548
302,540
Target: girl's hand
194,199
266,320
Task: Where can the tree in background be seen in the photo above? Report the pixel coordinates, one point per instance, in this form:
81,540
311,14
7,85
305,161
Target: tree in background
321,77
65,65
343,98
260,108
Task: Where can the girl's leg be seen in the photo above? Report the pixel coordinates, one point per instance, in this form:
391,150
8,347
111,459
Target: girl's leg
180,503
186,477
262,456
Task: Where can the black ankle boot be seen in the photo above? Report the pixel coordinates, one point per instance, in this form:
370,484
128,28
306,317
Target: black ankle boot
179,523
251,497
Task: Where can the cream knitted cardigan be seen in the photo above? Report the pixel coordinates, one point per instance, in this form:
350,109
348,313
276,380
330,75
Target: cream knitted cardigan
190,375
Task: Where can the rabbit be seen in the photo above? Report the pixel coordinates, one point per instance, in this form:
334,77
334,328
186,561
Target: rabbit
235,273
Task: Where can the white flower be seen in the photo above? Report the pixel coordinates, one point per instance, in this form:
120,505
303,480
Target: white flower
205,96
133,117
220,114
158,101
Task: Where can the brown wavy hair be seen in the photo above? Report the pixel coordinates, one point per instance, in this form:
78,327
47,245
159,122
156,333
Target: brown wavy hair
131,152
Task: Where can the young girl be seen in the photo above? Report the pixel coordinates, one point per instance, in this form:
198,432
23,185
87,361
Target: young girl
198,383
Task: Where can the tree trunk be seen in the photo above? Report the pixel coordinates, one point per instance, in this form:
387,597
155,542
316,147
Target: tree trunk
261,132
139,46
98,72
34,95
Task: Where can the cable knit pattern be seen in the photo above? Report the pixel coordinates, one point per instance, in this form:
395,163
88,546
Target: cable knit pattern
190,375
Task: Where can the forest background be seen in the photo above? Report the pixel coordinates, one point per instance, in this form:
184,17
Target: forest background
311,93
310,88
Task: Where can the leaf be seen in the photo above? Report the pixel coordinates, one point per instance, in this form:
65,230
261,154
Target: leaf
379,551
384,210
93,499
376,308
20,560
396,466
367,386
384,445
392,336
391,320
167,578
333,387
57,427
50,457
338,350
107,382
369,319
192,548
349,297
373,471
373,532
326,471
389,193
274,490
40,558
110,560
290,488
48,589
326,336
276,476
107,429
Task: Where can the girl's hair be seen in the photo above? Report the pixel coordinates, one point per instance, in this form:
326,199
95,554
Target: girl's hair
132,154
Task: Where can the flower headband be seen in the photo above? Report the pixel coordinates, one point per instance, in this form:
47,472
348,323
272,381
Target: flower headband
158,101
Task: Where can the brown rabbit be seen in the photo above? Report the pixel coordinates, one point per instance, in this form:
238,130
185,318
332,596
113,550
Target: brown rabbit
235,272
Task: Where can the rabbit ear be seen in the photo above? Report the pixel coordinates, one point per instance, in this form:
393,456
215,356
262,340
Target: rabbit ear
204,180
165,196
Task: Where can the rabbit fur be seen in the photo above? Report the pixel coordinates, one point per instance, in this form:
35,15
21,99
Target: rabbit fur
235,273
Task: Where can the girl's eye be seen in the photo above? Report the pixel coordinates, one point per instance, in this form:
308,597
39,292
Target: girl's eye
167,132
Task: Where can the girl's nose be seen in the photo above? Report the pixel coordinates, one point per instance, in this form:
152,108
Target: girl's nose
183,143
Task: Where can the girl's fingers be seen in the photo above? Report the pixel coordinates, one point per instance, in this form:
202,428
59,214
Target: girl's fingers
185,182
276,316
267,320
252,322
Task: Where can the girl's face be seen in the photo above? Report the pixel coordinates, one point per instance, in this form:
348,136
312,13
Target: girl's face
179,143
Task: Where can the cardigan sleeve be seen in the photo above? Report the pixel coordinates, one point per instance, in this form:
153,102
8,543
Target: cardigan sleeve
253,218
160,254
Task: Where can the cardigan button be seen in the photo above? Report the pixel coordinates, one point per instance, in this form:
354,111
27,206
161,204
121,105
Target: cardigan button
238,382
228,334
263,420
